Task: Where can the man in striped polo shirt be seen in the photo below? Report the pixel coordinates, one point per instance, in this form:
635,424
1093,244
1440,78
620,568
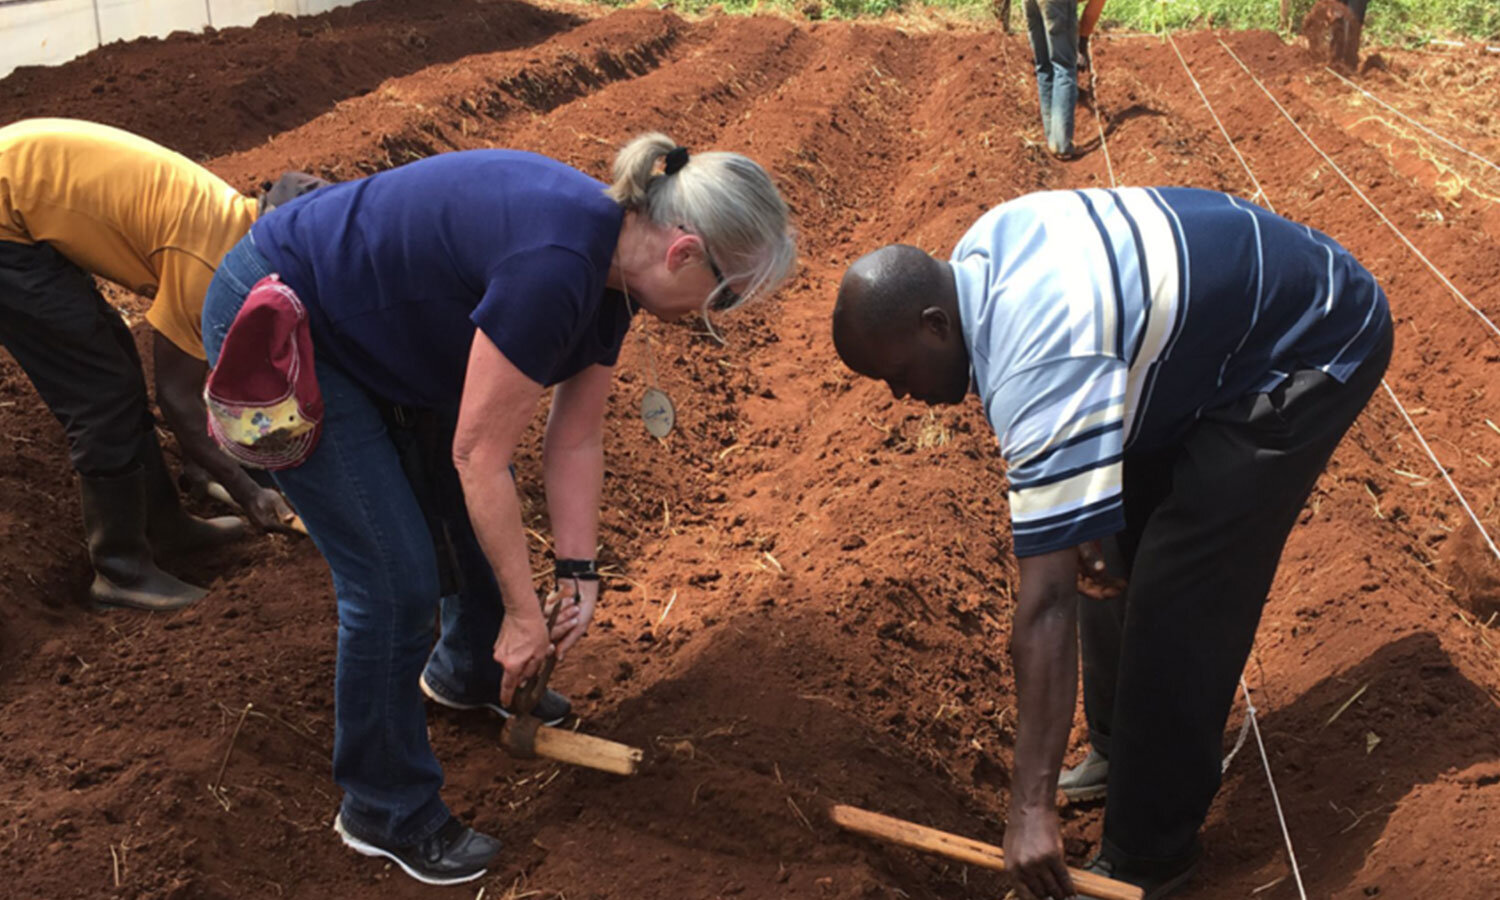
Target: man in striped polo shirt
1168,369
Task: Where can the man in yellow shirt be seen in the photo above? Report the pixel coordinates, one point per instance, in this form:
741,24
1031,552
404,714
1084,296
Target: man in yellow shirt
79,199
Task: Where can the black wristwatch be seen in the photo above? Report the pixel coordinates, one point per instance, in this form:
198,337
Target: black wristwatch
578,569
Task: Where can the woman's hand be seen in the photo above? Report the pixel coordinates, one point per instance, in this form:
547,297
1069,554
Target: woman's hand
522,648
575,613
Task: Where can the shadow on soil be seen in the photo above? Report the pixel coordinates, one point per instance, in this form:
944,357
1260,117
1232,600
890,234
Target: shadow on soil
1417,717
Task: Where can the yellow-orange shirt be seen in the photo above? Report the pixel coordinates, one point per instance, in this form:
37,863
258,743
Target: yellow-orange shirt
123,208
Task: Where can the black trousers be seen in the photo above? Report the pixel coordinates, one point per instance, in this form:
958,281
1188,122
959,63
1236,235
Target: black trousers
1206,521
78,353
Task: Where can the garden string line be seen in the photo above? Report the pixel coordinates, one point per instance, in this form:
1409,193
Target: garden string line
1275,797
1099,117
1403,115
1462,501
1392,225
1251,720
1250,706
1446,477
1260,192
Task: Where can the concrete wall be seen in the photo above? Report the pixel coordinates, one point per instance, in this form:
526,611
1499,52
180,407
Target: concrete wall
47,32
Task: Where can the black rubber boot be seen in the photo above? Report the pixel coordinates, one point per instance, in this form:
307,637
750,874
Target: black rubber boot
114,516
168,526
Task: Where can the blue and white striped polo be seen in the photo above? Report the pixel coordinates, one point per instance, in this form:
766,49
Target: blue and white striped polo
1101,322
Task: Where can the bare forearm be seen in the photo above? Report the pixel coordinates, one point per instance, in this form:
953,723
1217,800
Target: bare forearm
1090,18
1044,652
186,416
495,512
574,478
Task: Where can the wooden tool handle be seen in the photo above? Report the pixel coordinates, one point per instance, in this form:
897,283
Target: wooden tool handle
986,856
580,749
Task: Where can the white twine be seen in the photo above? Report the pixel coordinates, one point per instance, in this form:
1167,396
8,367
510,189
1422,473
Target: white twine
1392,225
1442,469
1238,743
1260,192
1462,501
1099,120
1403,115
1275,797
1251,721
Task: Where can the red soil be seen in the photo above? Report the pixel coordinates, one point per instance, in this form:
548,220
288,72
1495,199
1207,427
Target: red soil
813,591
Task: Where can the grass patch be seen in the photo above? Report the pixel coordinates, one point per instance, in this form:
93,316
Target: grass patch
1387,21
1408,22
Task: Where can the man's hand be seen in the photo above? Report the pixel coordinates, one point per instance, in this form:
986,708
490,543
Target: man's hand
1091,559
1095,579
576,614
268,510
1034,853
522,648
179,393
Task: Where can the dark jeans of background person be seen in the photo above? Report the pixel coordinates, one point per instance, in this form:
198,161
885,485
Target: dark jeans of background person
1054,46
78,353
359,505
462,665
1205,526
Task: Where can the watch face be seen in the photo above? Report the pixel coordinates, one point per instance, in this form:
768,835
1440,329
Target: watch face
657,411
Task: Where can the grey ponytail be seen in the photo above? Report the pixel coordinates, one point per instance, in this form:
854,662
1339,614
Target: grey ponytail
726,199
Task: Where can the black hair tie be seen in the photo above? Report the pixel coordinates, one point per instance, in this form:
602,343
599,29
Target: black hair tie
677,157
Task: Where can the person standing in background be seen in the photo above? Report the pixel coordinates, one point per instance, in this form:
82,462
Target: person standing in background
1347,32
1056,41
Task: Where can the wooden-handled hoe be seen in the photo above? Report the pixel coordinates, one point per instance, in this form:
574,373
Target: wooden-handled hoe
943,843
525,737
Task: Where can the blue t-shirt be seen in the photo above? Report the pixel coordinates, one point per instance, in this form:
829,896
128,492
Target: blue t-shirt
398,269
1106,321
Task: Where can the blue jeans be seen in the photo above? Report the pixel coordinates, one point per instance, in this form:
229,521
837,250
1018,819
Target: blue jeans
358,504
1053,25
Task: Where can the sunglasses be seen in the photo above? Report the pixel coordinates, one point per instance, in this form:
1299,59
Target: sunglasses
725,297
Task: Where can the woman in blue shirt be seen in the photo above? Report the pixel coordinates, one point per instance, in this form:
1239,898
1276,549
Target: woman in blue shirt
450,293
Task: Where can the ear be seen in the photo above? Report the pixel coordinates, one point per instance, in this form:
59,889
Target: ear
686,249
936,322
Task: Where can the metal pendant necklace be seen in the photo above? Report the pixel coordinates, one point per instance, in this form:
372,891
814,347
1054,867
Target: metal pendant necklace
657,410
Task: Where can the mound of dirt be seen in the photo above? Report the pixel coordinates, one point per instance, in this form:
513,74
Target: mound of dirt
211,93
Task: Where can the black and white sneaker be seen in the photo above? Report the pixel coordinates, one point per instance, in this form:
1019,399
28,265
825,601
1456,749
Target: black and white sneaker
455,854
552,708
